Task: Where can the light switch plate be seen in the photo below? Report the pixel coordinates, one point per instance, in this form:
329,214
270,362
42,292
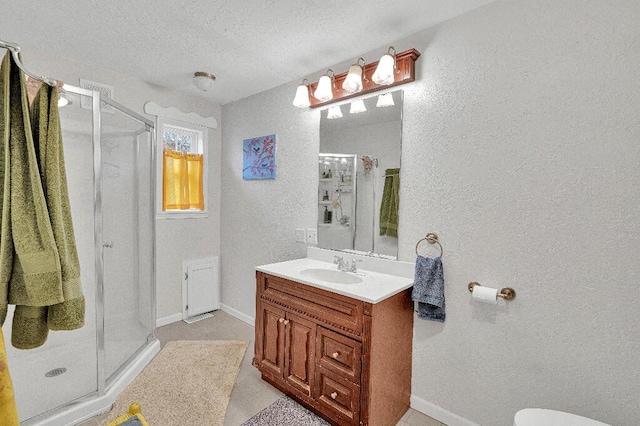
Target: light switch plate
301,236
312,236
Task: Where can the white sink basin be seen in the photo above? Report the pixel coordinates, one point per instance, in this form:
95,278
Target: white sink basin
331,275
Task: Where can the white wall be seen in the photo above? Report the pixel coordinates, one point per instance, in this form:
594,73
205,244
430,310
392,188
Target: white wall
177,240
259,216
521,150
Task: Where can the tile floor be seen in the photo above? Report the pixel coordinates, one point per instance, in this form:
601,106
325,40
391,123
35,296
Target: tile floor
250,394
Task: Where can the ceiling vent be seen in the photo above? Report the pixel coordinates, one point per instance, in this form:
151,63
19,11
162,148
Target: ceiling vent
105,90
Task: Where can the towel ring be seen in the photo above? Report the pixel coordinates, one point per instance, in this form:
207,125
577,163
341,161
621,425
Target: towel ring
431,238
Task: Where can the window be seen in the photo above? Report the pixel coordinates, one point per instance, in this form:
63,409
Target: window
182,168
182,172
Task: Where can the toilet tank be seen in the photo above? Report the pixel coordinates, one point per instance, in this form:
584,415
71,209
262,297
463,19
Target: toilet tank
542,417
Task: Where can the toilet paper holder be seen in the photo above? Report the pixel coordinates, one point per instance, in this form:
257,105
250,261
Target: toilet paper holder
507,293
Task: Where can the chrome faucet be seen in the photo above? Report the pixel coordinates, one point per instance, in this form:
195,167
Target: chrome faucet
346,266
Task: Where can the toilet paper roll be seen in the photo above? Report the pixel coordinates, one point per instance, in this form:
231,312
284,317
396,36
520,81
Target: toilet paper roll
485,294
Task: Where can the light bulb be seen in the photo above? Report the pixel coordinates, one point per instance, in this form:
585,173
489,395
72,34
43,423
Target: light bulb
384,73
385,100
302,97
357,107
334,112
353,82
323,91
64,100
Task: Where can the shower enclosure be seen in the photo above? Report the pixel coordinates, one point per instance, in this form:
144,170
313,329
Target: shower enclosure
109,156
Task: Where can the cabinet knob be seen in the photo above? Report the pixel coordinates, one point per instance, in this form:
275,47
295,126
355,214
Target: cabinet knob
335,355
286,322
334,395
281,320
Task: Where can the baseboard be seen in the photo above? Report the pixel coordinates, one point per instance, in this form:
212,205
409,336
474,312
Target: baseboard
440,414
236,313
169,319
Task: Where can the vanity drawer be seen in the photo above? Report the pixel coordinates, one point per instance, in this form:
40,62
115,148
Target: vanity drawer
334,311
339,354
340,396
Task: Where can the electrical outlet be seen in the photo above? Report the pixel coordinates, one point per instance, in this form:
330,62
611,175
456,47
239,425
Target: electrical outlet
301,237
312,236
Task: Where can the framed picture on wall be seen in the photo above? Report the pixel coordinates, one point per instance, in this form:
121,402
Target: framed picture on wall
259,158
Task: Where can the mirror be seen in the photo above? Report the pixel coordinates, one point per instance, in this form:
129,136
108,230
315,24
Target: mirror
358,177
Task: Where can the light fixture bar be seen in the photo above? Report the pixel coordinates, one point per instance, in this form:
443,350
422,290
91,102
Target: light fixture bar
405,73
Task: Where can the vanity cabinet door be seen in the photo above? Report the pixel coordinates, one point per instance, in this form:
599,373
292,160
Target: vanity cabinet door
300,353
272,344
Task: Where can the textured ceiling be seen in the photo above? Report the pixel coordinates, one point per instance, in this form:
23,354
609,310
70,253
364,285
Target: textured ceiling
250,46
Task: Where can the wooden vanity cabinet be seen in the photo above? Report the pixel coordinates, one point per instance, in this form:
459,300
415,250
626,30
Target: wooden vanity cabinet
345,359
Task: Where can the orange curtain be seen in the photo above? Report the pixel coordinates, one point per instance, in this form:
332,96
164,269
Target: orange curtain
182,182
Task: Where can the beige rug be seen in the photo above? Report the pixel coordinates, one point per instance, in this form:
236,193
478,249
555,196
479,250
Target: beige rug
188,383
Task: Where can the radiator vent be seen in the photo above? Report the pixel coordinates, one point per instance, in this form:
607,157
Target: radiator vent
106,91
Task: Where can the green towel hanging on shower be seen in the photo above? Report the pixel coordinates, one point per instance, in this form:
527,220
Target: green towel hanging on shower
6,243
47,137
390,203
36,280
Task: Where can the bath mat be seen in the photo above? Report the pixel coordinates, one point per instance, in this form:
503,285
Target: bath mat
189,382
285,412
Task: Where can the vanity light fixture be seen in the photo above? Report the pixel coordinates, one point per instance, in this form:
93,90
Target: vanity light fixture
385,72
392,70
324,91
302,95
357,107
203,81
353,82
334,112
385,100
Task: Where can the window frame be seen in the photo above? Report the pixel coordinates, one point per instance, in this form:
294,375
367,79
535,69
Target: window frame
172,117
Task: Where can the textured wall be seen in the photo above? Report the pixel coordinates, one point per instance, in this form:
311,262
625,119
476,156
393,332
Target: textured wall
259,216
177,240
520,148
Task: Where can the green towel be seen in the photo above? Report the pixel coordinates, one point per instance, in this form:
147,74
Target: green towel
47,137
390,203
6,242
29,328
35,279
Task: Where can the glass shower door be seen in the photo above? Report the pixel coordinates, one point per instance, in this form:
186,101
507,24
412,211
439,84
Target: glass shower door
127,237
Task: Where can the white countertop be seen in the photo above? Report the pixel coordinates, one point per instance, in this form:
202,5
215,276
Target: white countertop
375,286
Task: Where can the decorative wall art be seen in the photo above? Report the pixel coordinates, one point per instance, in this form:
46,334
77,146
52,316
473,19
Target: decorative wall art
259,158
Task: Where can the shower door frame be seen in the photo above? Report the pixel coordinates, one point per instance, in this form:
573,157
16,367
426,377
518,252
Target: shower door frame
103,380
102,386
